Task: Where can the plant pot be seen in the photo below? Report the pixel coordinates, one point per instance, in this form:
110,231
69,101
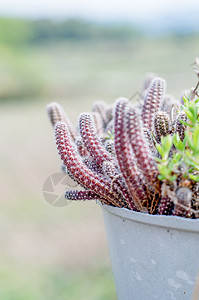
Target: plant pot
153,257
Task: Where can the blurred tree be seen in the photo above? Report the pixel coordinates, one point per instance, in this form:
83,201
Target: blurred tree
15,31
20,32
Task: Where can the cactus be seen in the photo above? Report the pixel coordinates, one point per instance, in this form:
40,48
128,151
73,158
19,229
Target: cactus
57,114
91,140
117,181
161,124
125,160
179,127
140,148
98,184
98,123
82,195
81,149
165,206
110,147
143,158
152,101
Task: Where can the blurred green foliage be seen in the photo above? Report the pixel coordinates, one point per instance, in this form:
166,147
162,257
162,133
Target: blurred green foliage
44,31
23,71
55,283
78,59
22,32
14,32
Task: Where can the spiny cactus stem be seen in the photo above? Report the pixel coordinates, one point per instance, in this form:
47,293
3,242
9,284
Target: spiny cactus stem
82,195
179,127
92,165
149,139
117,185
140,148
81,149
91,141
114,179
98,123
165,206
124,157
152,101
86,177
117,182
57,114
161,125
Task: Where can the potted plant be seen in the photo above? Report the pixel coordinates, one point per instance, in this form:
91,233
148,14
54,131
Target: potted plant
141,161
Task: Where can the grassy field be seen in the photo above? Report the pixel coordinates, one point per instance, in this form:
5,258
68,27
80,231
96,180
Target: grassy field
61,253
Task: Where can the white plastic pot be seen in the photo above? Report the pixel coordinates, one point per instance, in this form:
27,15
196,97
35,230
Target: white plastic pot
153,257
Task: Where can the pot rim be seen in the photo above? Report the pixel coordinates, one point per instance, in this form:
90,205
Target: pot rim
169,222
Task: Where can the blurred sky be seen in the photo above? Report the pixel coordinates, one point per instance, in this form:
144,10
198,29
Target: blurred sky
108,10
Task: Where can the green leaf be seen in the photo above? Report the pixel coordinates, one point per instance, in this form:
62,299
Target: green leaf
194,110
181,146
176,157
110,135
160,150
190,116
159,160
194,177
161,177
189,161
186,101
166,143
196,101
186,124
195,137
178,143
162,169
189,140
173,177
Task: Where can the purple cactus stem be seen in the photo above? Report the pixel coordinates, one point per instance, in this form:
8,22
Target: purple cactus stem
81,149
81,195
92,165
150,141
91,140
110,170
57,114
165,206
99,185
118,182
125,158
140,147
152,102
98,123
110,147
148,78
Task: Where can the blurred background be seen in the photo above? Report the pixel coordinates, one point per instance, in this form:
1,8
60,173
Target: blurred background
72,52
